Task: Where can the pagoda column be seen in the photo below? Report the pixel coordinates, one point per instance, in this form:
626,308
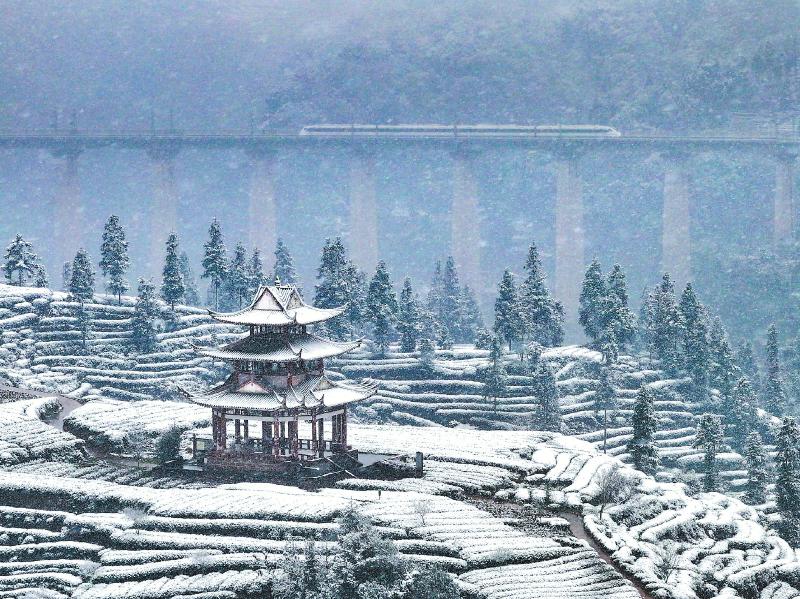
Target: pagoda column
313,431
264,436
68,215
262,221
676,220
570,237
164,207
784,213
276,438
321,436
246,426
344,427
238,433
465,226
363,238
222,423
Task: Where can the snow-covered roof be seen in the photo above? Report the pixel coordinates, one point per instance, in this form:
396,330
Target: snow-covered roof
277,305
280,348
313,392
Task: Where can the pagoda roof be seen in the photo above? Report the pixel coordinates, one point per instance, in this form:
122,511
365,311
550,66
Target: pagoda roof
313,392
277,305
280,348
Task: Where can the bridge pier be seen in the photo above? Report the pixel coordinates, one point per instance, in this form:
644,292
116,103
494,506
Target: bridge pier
363,238
676,254
164,207
262,204
784,213
68,222
570,239
465,226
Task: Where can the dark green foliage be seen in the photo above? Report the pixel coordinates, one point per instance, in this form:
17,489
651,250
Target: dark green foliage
546,394
542,317
709,437
746,362
508,323
39,277
773,389
623,321
190,295
450,305
757,470
495,379
430,583
408,318
593,302
237,280
695,337
471,317
642,447
83,321
381,306
665,324
172,288
143,321
427,353
605,400
722,370
168,445
284,270
787,487
81,284
742,415
255,274
114,261
339,283
20,261
214,260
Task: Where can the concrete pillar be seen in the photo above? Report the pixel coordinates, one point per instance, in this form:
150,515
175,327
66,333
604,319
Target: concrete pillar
363,240
784,214
676,221
465,226
570,240
164,208
68,216
262,221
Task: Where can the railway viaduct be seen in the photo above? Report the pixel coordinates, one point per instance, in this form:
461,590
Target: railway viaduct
164,146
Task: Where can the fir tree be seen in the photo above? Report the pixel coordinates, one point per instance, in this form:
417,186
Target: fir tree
773,391
723,372
546,394
20,261
508,323
284,270
435,294
605,401
237,280
255,273
334,287
742,414
542,320
494,383
381,306
621,318
471,318
594,303
757,470
450,308
356,311
408,320
695,336
190,295
746,361
427,353
66,275
214,262
666,325
787,488
81,283
40,278
114,260
143,321
709,438
172,288
83,320
642,447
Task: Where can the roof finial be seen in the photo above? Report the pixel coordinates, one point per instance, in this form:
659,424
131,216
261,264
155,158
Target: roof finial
277,280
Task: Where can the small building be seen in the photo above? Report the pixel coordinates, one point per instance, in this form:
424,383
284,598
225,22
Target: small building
278,407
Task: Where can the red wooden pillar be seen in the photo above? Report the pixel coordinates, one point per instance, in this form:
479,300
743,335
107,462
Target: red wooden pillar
313,430
222,424
321,436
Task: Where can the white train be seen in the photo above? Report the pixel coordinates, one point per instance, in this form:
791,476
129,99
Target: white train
465,130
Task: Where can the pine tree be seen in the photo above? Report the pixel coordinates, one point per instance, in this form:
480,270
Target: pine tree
666,325
622,319
190,295
143,321
83,320
543,321
434,302
594,303
214,262
255,273
237,280
114,260
334,287
494,383
642,447
450,311
723,372
709,438
356,285
757,470
787,488
742,414
746,361
605,401
408,319
40,278
381,306
427,353
81,284
774,393
471,318
20,261
508,323
546,394
695,336
172,288
284,270
66,275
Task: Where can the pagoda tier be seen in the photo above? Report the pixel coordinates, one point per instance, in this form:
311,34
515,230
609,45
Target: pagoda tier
277,306
280,347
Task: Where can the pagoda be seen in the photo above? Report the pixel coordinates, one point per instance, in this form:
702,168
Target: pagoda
278,382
